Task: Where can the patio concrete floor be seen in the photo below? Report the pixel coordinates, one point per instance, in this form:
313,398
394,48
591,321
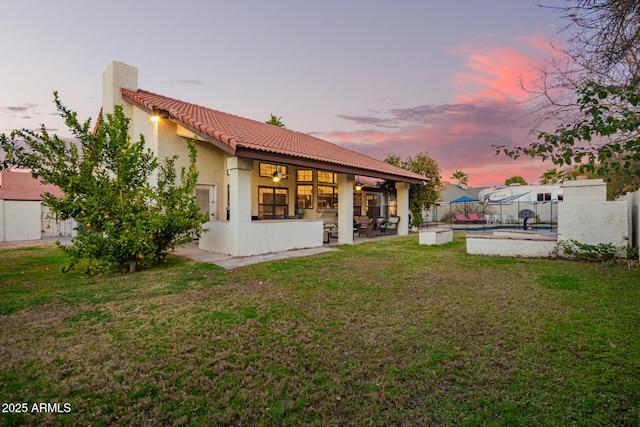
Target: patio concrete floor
192,251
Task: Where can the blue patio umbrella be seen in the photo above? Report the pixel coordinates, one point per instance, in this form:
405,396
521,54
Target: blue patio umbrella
464,199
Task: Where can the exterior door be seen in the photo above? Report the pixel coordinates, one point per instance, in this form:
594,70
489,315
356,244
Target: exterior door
205,199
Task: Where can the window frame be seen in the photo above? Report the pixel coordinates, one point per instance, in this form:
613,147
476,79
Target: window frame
332,199
298,179
308,203
271,210
543,197
321,179
273,167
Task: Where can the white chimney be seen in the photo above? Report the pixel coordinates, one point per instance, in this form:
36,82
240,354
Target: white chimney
118,75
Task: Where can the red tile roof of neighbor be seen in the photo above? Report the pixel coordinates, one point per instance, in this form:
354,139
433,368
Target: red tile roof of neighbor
258,140
20,185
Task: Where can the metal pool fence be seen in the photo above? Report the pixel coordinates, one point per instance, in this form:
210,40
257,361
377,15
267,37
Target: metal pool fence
477,216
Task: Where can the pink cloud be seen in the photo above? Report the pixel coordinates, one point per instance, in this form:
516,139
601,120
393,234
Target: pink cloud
487,110
494,73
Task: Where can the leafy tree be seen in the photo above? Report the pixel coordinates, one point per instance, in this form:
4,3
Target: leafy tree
421,196
463,178
603,37
605,141
552,176
515,180
600,45
276,121
123,221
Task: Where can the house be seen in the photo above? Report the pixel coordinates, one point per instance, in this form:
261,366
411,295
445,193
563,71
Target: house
22,215
265,188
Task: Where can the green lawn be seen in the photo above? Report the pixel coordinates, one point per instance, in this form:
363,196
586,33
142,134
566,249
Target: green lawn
383,333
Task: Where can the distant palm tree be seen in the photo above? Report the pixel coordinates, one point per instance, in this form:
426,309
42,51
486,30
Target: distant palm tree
275,120
463,178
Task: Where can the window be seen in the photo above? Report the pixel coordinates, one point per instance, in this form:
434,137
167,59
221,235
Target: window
560,197
544,197
357,204
304,175
327,177
373,205
304,197
327,197
268,169
273,202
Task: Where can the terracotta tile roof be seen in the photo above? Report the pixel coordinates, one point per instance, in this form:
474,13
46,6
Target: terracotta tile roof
237,133
20,185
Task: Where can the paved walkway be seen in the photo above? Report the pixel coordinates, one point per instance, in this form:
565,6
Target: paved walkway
191,251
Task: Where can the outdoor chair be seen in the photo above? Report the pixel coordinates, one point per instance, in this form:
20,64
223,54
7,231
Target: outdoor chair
391,226
367,228
461,218
488,219
475,218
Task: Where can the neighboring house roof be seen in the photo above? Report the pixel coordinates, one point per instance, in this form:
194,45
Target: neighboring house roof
451,192
248,138
20,185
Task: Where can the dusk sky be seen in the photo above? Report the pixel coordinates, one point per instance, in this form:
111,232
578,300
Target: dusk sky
378,77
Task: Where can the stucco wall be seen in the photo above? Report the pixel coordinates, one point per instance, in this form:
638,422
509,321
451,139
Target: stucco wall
594,223
262,237
584,190
20,220
503,246
633,215
587,217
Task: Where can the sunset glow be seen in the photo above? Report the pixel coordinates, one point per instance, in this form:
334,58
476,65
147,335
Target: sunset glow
385,79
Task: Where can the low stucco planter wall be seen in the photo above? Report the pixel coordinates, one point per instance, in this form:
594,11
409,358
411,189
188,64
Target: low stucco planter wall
519,244
261,237
435,236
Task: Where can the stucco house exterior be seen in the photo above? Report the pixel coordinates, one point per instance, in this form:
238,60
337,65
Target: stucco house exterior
266,188
22,215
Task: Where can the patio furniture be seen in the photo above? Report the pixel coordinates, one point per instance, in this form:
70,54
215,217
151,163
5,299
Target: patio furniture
488,219
367,228
461,218
391,226
330,230
475,218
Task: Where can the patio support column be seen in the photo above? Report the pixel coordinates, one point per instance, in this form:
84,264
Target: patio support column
345,208
239,170
402,190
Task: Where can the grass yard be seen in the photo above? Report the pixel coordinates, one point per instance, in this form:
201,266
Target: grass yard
383,333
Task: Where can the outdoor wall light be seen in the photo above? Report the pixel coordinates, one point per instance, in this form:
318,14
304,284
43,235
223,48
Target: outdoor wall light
159,114
358,185
277,175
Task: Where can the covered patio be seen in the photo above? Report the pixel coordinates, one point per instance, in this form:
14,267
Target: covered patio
253,228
